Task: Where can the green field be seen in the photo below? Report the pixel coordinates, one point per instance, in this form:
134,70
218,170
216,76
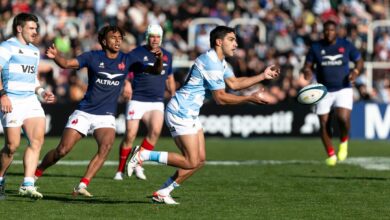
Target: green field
260,179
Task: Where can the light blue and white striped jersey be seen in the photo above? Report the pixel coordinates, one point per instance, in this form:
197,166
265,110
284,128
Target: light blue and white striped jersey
19,64
207,73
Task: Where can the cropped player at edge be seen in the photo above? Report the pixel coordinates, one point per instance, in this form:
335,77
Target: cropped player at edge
331,56
147,99
210,72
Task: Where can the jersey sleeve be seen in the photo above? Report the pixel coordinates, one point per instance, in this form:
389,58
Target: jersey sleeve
5,55
310,55
354,53
84,59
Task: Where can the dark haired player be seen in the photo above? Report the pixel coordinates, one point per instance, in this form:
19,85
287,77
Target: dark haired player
331,57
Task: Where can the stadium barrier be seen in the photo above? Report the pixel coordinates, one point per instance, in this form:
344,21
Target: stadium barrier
289,119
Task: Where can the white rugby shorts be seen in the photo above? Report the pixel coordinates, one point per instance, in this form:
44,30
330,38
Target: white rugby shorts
182,126
22,109
135,109
342,99
84,122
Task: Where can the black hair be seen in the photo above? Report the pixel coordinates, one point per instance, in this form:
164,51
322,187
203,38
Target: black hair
104,31
21,20
219,33
330,22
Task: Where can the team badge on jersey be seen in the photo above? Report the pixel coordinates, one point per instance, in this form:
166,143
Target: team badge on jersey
146,58
323,52
121,66
341,49
101,65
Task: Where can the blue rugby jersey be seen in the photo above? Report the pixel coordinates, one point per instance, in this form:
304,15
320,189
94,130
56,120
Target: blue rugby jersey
19,64
149,87
207,73
105,80
332,62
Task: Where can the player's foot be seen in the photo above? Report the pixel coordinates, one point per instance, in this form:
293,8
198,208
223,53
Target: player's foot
81,191
331,161
134,160
118,176
343,151
167,199
30,191
139,172
2,192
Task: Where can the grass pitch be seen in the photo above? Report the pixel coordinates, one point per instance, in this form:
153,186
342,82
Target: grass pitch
244,179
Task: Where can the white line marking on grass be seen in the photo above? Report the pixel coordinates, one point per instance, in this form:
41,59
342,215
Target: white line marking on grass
369,163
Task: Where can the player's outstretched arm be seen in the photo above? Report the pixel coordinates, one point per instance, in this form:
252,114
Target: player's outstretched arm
271,72
52,53
223,98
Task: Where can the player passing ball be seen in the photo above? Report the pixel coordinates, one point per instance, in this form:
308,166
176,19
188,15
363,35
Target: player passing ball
209,72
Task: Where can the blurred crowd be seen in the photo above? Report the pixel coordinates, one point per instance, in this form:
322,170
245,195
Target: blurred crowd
290,27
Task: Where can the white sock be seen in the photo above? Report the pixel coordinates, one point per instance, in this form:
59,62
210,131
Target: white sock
167,190
2,180
82,185
28,181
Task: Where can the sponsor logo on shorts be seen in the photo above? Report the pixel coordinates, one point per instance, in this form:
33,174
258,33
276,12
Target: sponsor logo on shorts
172,129
75,121
131,112
13,121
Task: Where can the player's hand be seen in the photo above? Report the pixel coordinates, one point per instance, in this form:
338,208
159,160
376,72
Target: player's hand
352,77
6,105
127,91
157,53
48,97
263,97
271,72
51,52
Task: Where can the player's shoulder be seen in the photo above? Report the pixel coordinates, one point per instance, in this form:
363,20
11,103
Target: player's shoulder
9,42
166,52
344,42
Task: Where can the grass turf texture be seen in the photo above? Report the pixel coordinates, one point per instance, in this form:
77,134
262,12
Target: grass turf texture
302,189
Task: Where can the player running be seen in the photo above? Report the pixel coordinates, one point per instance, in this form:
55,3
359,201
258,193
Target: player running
147,99
331,56
107,71
210,72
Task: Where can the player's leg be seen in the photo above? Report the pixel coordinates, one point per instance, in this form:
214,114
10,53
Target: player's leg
105,139
34,129
103,127
343,118
326,138
69,138
344,104
134,113
76,128
126,145
11,143
323,109
153,121
181,175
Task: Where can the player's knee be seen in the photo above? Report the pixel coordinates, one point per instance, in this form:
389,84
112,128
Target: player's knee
104,149
62,150
10,148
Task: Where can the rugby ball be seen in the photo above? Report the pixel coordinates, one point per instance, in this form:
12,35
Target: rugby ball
311,94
